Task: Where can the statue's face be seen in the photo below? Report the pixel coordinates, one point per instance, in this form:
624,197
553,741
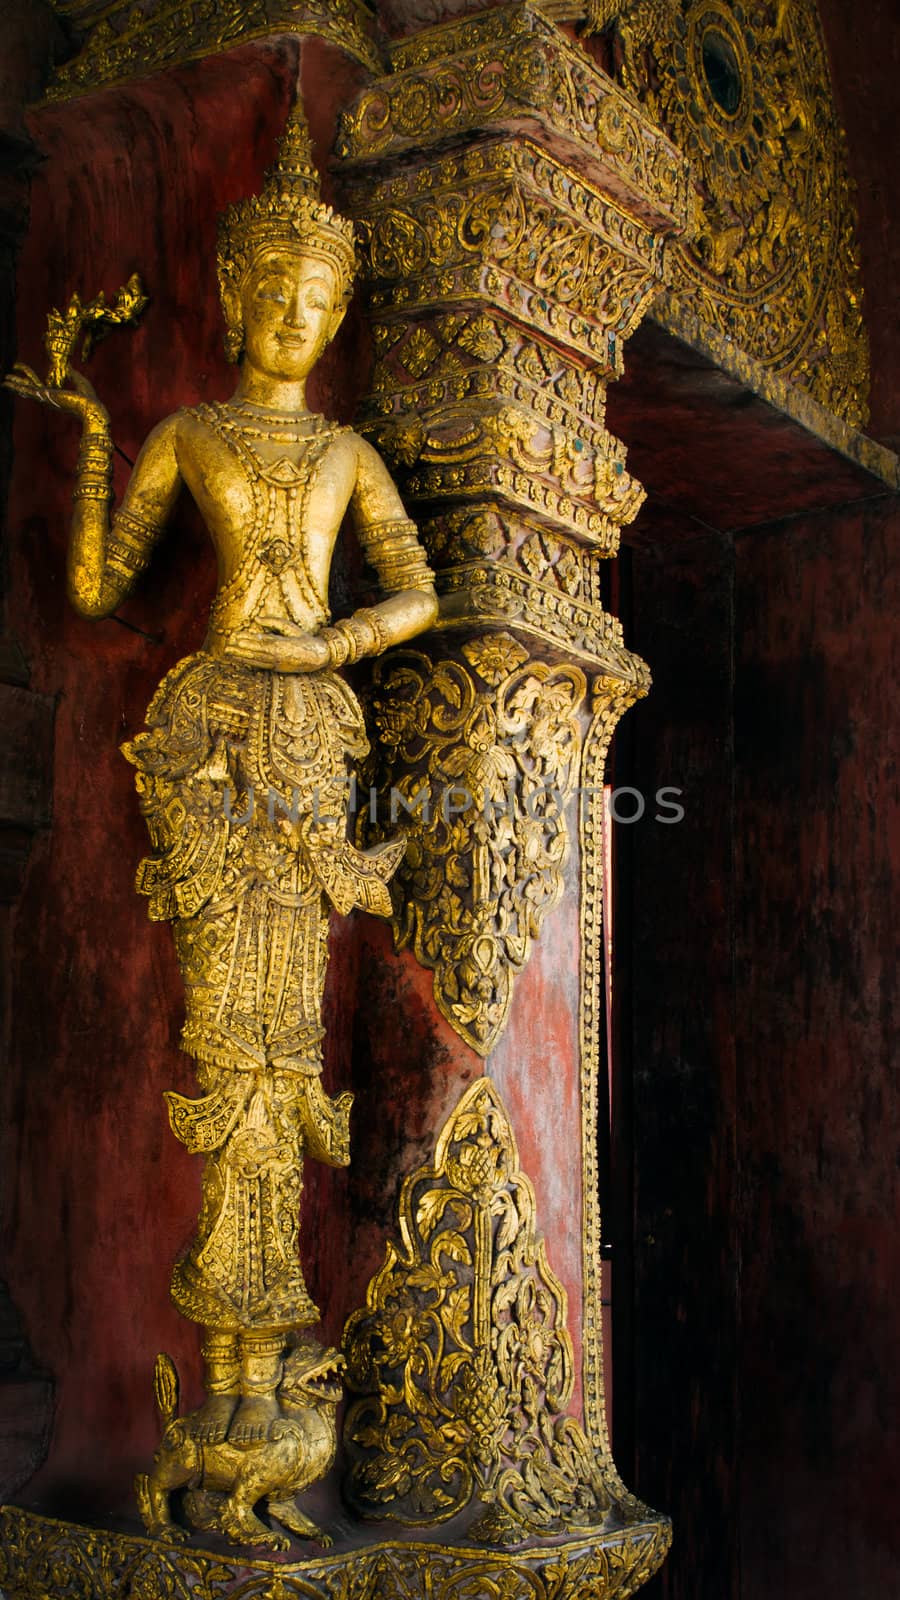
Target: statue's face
291,309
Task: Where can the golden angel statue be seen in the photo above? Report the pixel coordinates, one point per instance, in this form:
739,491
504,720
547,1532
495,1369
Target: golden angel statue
259,712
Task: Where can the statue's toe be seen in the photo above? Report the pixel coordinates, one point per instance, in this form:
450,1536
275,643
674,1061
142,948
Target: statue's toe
246,1433
209,1425
252,1420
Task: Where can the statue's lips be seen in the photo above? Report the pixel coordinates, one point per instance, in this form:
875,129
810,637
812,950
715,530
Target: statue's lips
294,341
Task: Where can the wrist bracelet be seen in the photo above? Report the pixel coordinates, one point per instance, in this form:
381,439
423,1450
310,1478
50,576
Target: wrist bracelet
95,450
93,471
90,486
363,634
338,645
100,492
371,621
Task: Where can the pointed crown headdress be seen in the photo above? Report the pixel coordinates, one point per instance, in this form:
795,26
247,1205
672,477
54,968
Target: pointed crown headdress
287,211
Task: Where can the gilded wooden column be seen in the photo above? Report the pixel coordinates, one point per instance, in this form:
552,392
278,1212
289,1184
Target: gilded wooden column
515,206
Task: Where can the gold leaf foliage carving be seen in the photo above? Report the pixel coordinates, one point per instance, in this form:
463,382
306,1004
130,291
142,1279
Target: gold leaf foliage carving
482,753
124,40
461,1357
610,698
41,1557
743,88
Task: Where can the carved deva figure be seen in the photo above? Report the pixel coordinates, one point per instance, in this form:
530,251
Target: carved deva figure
259,712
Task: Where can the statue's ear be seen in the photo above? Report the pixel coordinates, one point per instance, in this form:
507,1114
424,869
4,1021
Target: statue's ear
337,318
234,320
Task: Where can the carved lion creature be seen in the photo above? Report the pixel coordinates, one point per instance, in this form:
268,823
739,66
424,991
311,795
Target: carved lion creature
226,1481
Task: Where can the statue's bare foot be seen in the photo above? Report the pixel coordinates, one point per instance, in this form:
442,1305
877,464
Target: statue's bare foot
253,1418
209,1423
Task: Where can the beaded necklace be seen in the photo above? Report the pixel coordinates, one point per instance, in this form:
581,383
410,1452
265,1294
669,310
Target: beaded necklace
265,422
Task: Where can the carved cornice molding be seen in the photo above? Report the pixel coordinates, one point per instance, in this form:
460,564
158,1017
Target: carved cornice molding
126,40
508,221
496,594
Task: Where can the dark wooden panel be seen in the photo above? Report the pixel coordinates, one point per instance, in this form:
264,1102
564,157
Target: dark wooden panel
818,1008
707,448
26,756
674,977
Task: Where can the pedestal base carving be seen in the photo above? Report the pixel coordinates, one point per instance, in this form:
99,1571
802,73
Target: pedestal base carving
40,1557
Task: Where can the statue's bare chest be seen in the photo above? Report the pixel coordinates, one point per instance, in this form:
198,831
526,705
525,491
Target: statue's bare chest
251,476
273,495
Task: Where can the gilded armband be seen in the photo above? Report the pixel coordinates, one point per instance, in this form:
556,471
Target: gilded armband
130,543
395,551
93,473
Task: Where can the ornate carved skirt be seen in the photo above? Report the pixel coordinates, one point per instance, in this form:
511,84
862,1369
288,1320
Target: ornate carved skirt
243,782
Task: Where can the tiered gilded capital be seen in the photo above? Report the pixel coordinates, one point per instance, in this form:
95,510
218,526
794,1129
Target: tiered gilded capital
120,41
512,71
514,204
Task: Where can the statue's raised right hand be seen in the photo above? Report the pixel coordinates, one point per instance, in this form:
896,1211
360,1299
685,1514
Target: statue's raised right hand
80,401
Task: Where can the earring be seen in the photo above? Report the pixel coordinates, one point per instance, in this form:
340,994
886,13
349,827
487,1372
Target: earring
234,341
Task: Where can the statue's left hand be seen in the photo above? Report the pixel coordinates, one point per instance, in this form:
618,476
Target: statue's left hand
276,652
80,400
